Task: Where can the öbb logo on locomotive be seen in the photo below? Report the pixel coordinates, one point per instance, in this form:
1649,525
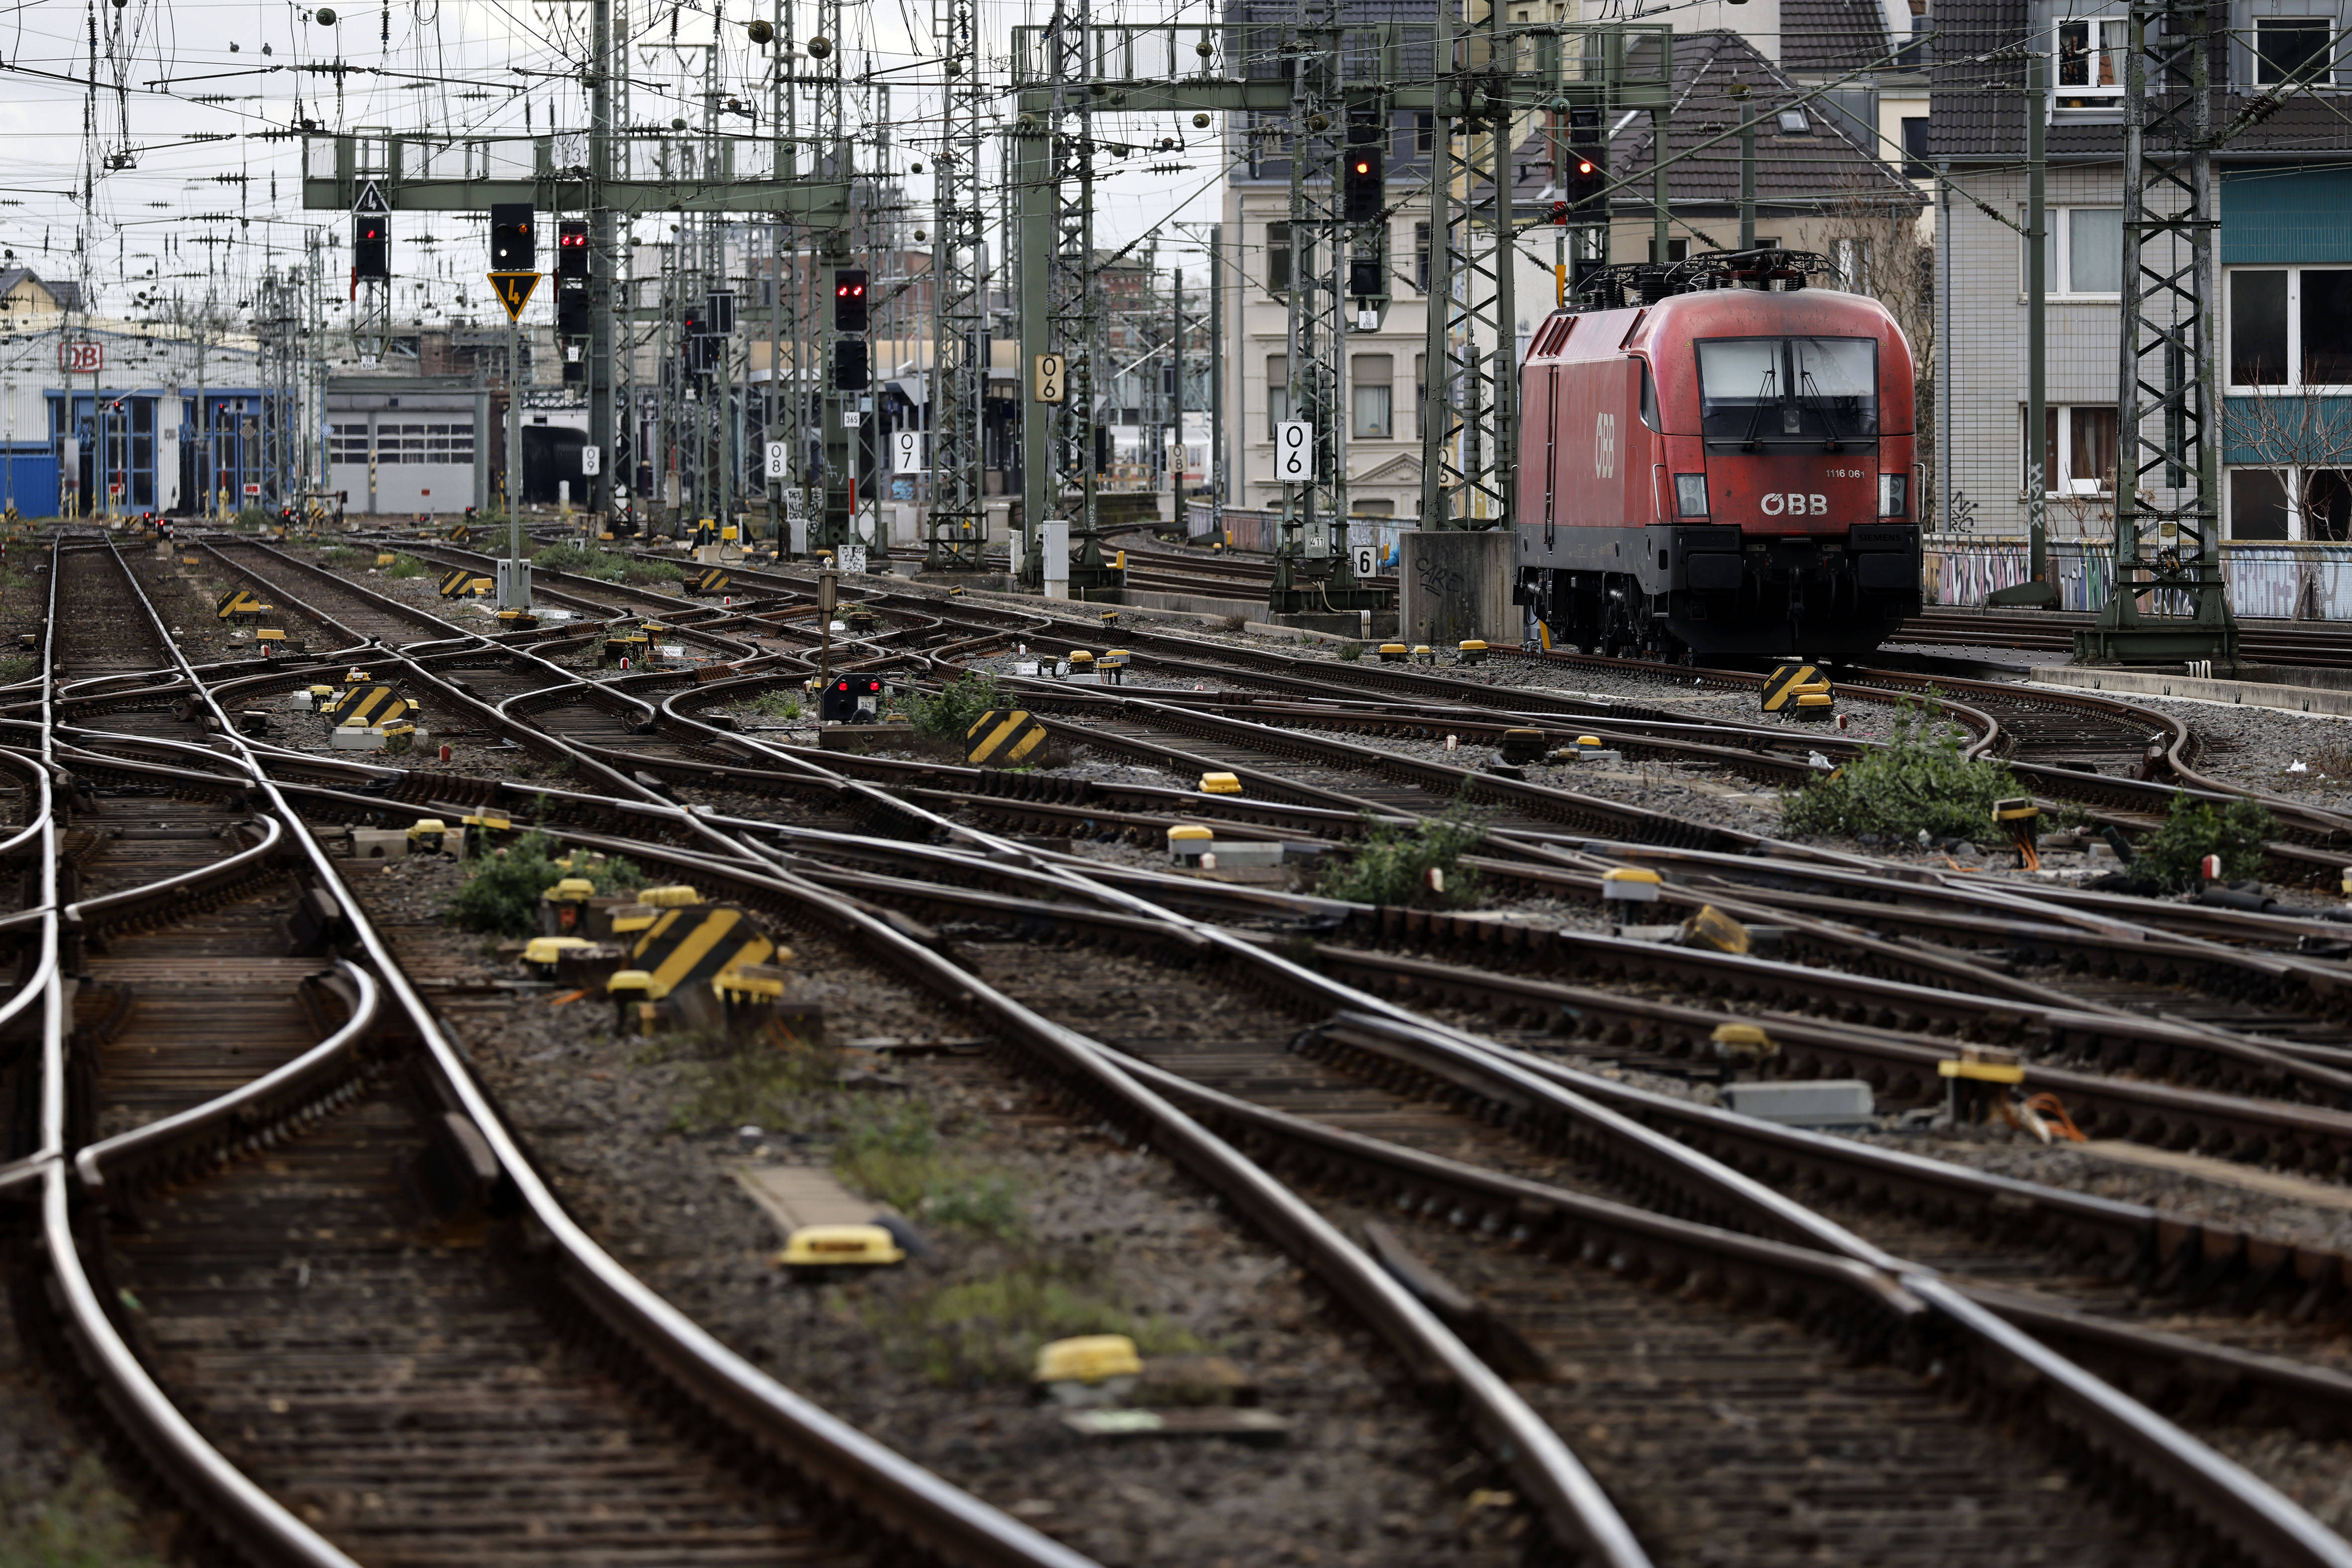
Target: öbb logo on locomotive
1751,489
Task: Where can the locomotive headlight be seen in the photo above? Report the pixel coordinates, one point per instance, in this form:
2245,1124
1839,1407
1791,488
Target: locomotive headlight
1894,495
1690,494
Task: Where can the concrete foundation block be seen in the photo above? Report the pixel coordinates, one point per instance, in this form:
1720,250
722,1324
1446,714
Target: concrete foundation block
1812,1103
1454,585
379,843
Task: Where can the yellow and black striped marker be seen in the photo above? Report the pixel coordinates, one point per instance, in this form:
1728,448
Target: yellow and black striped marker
371,705
460,534
1790,681
241,604
462,582
1002,736
695,944
708,583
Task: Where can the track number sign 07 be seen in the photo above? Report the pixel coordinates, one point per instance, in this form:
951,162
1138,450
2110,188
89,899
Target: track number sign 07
1294,452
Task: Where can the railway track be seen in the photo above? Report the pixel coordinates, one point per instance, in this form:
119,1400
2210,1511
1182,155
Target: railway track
305,1300
1890,1317
2053,631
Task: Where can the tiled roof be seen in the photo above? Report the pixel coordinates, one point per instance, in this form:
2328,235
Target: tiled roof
1820,167
1832,37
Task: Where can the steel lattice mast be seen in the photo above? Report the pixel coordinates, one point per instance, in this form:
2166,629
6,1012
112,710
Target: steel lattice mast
1315,508
959,377
2167,467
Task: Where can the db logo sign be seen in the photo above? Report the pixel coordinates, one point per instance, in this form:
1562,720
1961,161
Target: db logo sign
82,358
1604,445
1776,504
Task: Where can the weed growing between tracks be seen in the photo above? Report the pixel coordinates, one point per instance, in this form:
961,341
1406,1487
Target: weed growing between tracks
989,1329
1917,780
84,1523
950,715
501,893
2172,853
405,566
1393,863
605,565
771,705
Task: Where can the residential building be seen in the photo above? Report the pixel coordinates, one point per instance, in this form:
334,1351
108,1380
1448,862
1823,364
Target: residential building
2282,312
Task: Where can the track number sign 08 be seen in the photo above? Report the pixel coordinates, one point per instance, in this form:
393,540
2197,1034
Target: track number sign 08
1294,452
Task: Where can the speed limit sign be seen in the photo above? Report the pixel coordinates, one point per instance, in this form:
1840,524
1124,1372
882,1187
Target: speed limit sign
1053,380
1294,452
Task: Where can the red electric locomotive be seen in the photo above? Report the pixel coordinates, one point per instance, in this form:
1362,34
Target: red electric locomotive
1717,461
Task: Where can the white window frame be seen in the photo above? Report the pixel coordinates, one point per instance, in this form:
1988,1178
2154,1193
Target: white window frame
2298,530
2294,385
2332,77
2059,483
2060,268
2107,32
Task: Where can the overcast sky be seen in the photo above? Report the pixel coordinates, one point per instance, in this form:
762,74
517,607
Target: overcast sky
166,171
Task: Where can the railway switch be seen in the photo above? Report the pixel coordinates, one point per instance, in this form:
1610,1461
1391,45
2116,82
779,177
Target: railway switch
241,606
1002,736
564,908
1188,841
1713,929
1089,1369
1394,653
1112,666
850,700
542,954
1521,747
814,1251
428,835
1744,1045
1979,1079
1471,652
1815,706
1220,783
1786,683
2016,817
1626,886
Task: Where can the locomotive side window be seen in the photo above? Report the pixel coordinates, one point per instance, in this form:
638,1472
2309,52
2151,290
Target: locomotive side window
1758,391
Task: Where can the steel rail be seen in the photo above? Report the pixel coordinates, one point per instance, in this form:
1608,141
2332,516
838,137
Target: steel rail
2169,1463
1573,1505
897,1497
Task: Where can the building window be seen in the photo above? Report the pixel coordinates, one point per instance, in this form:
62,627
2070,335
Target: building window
1424,133
2091,63
1372,393
2290,326
1421,256
2082,252
2292,49
1277,258
1420,394
1915,55
1851,259
1277,392
2081,441
2309,504
1915,147
1677,249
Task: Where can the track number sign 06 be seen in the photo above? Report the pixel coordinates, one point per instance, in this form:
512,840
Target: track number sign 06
1052,383
1294,452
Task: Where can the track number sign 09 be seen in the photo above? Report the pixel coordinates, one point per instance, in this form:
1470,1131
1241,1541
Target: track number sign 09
1294,452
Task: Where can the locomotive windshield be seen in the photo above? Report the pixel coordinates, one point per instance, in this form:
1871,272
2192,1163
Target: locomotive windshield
1770,392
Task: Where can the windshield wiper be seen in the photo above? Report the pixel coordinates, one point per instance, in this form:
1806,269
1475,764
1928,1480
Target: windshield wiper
1820,405
1748,443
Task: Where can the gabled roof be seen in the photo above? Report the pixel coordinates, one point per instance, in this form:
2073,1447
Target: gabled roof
67,296
1821,166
